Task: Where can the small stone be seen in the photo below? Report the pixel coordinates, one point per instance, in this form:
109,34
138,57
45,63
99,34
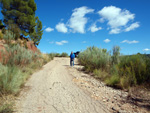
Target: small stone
119,105
104,100
115,98
116,108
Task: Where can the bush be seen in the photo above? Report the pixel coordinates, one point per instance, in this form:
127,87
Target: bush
8,36
17,55
113,80
95,58
135,67
18,62
51,55
122,71
64,54
11,78
56,54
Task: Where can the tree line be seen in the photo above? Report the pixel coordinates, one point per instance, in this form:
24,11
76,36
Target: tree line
19,17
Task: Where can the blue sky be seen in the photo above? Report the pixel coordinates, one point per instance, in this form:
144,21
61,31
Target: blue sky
74,25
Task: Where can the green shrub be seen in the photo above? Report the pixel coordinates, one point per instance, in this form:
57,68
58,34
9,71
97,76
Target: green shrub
51,55
122,71
64,54
95,58
113,80
134,67
114,69
8,36
11,78
57,55
18,55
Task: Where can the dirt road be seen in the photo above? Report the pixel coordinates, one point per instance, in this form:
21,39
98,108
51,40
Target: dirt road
52,90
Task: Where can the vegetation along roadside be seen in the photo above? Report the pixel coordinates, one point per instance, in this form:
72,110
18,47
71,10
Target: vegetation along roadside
17,65
121,71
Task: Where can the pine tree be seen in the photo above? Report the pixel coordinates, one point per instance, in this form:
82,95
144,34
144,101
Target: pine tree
38,32
22,13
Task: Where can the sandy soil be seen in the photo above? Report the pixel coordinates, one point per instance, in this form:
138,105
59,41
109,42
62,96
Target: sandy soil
53,89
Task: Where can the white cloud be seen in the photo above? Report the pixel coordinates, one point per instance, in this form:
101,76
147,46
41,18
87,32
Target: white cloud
64,41
132,26
115,31
130,42
78,20
49,29
94,28
61,42
107,40
84,42
146,49
116,17
61,27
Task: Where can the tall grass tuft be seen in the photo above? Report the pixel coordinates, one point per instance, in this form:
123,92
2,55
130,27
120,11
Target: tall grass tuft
11,78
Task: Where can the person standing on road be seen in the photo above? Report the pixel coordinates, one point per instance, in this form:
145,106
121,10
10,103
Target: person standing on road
72,57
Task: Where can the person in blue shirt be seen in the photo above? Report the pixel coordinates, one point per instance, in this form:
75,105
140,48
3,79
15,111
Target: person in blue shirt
72,57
